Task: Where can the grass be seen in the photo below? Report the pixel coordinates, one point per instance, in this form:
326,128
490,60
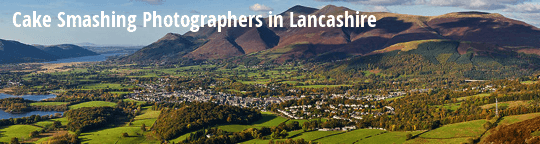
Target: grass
436,141
322,86
138,102
350,137
528,82
93,104
508,104
478,95
389,137
458,130
48,103
47,123
312,135
518,118
268,120
104,86
450,106
20,131
452,133
136,135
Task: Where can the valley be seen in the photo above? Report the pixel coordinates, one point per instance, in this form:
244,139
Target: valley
463,77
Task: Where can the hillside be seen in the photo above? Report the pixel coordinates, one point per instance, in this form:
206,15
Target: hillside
66,51
16,52
168,47
281,44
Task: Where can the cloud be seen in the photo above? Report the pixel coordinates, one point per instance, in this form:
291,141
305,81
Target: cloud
152,2
374,2
524,8
377,9
467,4
194,12
260,8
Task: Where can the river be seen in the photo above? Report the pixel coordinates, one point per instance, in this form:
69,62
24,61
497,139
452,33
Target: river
6,115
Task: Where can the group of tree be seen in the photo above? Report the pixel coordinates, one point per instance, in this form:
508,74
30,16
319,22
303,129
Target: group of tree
88,118
173,122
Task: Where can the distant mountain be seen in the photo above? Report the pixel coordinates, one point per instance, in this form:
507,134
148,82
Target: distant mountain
280,44
66,51
170,46
16,52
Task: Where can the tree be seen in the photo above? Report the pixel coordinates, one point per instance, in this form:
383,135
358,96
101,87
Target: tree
34,134
143,127
57,124
409,136
14,140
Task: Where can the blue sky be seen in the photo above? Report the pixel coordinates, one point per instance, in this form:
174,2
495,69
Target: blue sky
525,10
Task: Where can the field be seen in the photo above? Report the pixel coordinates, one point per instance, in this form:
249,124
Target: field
48,103
268,120
450,106
452,133
93,104
529,82
349,137
508,104
104,86
388,137
20,131
321,86
46,123
517,118
326,137
478,95
114,134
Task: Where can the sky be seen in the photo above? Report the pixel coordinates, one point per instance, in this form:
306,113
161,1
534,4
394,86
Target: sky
524,10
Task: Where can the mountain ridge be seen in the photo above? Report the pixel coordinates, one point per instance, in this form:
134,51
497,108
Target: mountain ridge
281,44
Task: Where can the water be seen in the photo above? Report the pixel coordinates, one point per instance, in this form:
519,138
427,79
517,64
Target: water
97,58
6,115
28,97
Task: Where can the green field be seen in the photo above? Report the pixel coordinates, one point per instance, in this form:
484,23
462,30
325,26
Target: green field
350,137
389,137
322,86
20,131
104,86
518,118
93,104
478,95
138,102
48,103
114,135
452,133
450,106
268,120
46,123
529,82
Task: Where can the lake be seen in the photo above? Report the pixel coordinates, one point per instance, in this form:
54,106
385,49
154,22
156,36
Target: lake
96,58
6,115
28,97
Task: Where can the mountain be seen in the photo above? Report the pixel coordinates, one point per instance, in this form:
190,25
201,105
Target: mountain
66,51
471,30
170,46
16,52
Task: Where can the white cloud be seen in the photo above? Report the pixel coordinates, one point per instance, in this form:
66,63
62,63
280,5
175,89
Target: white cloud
524,8
377,9
260,8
